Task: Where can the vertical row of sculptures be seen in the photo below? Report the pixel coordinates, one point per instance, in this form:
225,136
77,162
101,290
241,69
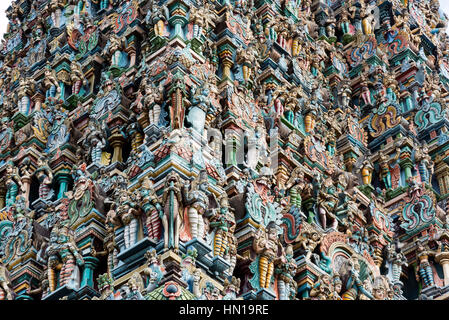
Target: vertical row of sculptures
224,150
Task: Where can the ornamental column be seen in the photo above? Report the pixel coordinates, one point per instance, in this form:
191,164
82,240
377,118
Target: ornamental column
90,263
443,259
178,20
117,141
63,179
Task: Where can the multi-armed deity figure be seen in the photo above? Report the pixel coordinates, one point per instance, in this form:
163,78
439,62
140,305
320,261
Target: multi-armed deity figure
44,175
221,223
197,200
395,262
152,209
150,99
200,106
286,271
127,210
266,244
51,83
63,256
94,141
158,16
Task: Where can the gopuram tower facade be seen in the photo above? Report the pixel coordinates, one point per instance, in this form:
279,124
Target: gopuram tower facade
225,149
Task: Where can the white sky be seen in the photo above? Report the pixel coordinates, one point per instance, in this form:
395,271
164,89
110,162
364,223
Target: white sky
444,5
4,4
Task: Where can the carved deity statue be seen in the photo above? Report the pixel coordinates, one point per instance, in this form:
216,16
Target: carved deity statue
266,244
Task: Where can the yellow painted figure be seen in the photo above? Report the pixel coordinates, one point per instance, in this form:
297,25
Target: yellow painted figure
367,172
266,244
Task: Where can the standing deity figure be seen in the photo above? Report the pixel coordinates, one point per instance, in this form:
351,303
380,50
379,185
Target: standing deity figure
155,270
71,259
62,255
391,85
424,270
94,141
279,98
151,100
157,16
114,49
197,19
152,208
248,59
311,116
344,21
55,8
12,184
51,83
200,106
295,185
326,202
425,163
384,166
231,254
6,292
172,218
367,172
125,207
44,175
395,261
197,201
267,245
345,95
110,247
309,241
24,92
77,77
298,34
286,271
221,222
135,132
365,91
368,20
